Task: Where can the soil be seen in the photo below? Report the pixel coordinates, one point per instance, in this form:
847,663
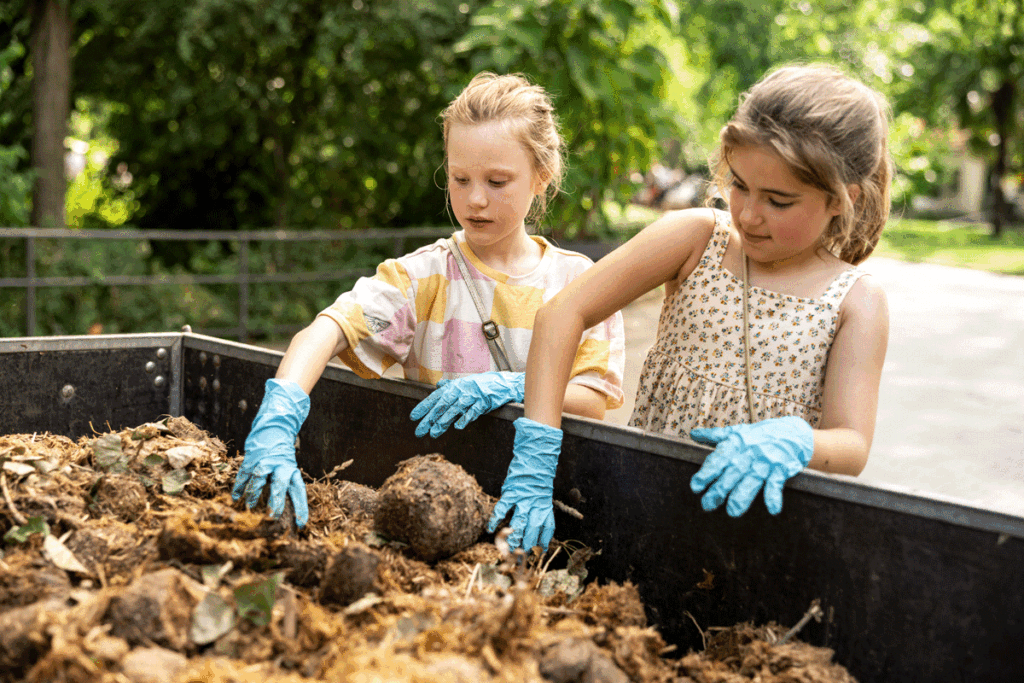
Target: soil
125,559
433,505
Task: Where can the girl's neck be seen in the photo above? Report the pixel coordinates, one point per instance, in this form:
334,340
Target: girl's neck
517,254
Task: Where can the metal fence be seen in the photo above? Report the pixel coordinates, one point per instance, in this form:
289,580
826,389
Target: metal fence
32,283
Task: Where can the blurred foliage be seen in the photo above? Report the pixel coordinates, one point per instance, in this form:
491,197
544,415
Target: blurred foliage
15,181
609,81
166,307
925,158
289,113
251,113
963,68
964,245
89,202
224,114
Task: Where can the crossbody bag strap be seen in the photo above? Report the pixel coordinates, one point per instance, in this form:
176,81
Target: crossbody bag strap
489,327
746,338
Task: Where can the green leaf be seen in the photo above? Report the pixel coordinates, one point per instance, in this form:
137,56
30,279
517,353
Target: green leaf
20,534
577,61
530,37
107,453
174,482
153,460
255,601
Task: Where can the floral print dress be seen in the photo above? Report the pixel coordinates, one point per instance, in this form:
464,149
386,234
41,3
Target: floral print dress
694,374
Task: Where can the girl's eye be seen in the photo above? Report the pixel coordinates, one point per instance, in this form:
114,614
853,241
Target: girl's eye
499,183
738,185
460,181
779,205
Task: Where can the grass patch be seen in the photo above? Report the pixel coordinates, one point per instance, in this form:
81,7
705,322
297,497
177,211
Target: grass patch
948,243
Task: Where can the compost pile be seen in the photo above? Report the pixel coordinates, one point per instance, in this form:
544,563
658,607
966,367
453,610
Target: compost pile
125,559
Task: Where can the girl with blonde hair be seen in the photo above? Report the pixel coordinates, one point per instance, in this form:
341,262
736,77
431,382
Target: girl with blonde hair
503,157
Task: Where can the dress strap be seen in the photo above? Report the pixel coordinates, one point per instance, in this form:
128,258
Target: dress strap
840,286
715,251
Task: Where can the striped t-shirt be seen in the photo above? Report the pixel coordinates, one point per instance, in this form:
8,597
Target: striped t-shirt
417,311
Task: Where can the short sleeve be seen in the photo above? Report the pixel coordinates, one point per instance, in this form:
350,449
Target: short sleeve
600,360
378,318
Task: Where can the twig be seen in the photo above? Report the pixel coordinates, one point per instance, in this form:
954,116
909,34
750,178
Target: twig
472,579
101,573
18,517
703,638
554,554
337,470
568,510
562,610
290,621
813,612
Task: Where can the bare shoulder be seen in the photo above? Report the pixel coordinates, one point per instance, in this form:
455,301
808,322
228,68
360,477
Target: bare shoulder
688,224
866,306
677,240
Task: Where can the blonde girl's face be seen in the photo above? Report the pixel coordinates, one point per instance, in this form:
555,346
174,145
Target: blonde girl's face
780,219
491,182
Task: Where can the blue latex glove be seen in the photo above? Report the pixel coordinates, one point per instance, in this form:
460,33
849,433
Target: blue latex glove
468,397
749,456
529,485
270,451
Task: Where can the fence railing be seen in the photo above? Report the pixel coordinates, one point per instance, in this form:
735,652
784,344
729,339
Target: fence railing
32,282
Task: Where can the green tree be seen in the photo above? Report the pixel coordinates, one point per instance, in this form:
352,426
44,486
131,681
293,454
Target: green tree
275,112
725,46
608,78
51,65
15,182
967,62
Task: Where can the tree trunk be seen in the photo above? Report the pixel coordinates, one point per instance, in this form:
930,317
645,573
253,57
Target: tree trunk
51,66
1002,110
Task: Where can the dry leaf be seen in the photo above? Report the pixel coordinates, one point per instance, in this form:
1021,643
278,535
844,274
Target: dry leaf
58,553
180,456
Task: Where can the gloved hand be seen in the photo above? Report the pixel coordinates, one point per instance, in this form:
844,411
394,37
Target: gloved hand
270,451
469,397
529,485
748,456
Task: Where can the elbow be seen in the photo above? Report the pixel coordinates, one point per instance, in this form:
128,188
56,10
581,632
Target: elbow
584,402
843,451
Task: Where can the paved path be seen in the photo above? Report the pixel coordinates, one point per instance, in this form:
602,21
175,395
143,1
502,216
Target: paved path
951,404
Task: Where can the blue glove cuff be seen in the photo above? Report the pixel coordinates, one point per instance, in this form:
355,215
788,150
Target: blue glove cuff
537,444
517,385
802,435
285,396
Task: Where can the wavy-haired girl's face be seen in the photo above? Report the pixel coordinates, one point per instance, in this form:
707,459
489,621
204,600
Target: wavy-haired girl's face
491,182
780,218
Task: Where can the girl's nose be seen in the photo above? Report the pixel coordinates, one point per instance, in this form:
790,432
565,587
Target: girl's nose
478,196
749,213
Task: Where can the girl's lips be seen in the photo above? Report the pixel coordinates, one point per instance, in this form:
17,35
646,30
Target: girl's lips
755,238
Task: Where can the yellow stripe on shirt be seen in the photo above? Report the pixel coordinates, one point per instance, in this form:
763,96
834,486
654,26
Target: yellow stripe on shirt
393,273
432,298
591,356
516,305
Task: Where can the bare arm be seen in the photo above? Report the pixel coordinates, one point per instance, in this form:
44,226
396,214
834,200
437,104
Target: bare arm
659,253
309,352
584,401
850,400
